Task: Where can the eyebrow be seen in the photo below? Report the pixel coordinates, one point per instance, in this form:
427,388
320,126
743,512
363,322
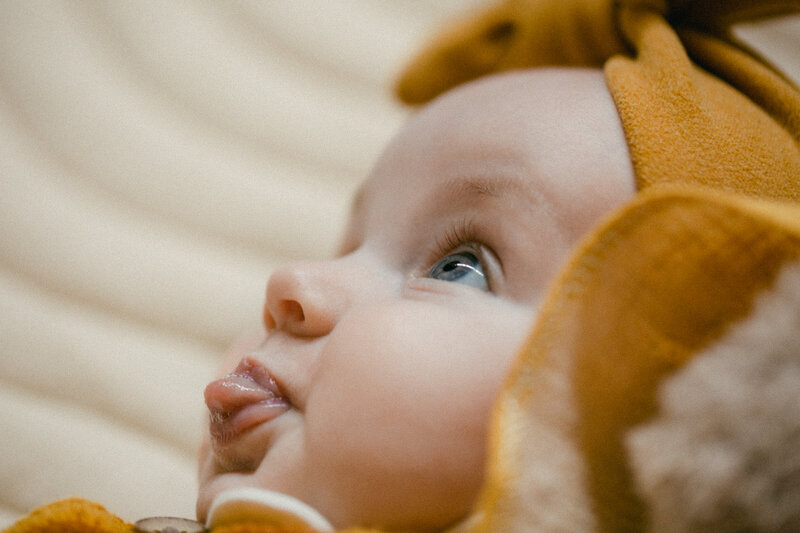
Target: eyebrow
484,187
461,189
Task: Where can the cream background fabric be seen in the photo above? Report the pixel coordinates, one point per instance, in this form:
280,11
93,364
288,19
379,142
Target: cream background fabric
157,160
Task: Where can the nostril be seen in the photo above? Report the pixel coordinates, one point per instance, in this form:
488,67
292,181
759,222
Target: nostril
284,313
292,310
303,299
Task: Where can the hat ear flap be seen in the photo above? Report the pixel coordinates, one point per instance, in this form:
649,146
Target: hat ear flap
666,278
511,35
468,50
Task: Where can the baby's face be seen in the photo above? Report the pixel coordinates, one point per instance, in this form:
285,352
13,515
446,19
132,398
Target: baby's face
369,398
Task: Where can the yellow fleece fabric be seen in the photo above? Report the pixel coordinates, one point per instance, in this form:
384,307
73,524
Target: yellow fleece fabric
696,106
661,280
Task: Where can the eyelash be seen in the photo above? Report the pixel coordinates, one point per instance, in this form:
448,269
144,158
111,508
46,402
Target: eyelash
462,234
459,234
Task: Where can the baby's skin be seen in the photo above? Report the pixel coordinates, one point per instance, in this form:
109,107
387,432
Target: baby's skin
369,394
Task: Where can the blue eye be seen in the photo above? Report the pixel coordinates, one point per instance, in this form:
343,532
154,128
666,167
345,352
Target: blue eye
460,267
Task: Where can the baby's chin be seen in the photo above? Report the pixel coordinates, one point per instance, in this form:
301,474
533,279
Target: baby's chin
342,513
211,480
217,474
253,465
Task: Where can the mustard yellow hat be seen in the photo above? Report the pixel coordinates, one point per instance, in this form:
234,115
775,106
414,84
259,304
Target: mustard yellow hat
697,106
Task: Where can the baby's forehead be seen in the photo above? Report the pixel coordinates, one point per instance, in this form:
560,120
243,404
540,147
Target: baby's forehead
537,114
547,119
532,99
553,134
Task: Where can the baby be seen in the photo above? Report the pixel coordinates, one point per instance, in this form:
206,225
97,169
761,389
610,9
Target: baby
369,396
367,399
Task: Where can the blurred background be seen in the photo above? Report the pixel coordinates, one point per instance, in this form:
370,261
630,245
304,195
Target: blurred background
157,160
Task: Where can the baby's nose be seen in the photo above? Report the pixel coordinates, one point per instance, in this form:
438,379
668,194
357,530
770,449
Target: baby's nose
305,299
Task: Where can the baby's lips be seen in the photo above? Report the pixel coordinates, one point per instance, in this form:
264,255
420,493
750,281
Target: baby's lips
233,392
250,383
242,400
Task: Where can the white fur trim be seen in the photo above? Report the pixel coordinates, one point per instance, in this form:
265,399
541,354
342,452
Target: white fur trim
724,455
264,506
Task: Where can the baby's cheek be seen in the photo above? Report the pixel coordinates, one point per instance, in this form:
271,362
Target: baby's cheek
396,368
399,408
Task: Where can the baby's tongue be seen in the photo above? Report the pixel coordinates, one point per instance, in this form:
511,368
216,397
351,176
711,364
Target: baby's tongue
235,391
